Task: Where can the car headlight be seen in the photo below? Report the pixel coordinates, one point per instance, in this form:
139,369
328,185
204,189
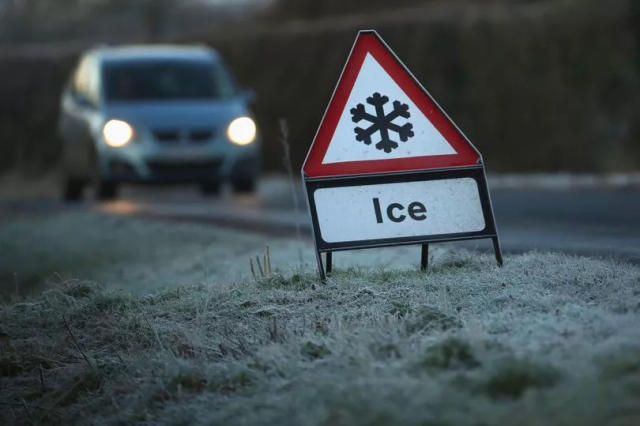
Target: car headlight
117,133
242,131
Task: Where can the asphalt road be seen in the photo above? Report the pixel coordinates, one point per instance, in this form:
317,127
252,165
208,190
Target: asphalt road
591,221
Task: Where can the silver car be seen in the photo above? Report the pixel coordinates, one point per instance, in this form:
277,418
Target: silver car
155,114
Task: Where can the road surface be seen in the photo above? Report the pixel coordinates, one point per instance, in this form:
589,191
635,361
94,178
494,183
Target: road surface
591,221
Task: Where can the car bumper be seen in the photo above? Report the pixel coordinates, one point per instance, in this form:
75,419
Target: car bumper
165,171
165,166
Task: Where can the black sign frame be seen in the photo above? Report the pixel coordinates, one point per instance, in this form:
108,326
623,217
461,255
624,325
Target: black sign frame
475,172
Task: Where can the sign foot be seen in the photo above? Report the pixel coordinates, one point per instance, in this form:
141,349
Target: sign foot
424,258
497,250
323,277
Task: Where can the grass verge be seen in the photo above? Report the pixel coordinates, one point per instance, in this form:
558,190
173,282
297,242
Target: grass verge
548,339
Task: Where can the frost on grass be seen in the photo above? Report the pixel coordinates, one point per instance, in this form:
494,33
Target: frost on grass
548,339
138,255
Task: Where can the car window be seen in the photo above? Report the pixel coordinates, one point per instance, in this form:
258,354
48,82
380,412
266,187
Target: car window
165,80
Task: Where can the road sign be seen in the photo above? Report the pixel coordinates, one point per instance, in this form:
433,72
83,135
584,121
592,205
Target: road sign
387,166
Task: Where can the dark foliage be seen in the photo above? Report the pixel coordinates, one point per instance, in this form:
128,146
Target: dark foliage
559,91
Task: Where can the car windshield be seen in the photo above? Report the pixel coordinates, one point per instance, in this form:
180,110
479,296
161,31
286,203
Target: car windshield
165,80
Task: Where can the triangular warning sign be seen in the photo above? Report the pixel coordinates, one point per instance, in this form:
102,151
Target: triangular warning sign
381,120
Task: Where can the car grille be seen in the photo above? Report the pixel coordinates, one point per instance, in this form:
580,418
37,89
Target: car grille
173,170
178,135
200,135
166,135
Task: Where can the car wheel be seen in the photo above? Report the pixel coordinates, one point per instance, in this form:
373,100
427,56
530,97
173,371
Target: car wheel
73,189
209,188
107,190
243,185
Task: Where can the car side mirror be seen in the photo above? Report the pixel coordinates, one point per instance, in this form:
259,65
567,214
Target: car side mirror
248,95
83,101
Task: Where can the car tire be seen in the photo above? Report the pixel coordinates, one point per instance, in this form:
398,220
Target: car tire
209,188
73,189
107,190
241,186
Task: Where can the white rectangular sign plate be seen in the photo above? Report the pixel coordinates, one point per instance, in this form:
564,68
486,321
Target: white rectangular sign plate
399,210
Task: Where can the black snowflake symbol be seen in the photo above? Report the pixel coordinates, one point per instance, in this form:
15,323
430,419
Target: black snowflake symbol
382,123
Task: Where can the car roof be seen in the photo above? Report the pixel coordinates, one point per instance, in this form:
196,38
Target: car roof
153,52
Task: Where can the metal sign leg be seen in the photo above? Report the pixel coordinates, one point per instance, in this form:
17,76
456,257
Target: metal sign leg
497,250
424,258
323,277
329,259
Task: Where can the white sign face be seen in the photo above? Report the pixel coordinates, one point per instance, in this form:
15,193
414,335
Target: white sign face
397,210
424,140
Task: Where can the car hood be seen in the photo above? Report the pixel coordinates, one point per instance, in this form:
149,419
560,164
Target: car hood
176,114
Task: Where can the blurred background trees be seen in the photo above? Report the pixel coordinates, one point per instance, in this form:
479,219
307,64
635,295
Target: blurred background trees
316,9
102,21
538,85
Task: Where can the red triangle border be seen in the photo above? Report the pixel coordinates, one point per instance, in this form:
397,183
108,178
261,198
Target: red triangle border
370,42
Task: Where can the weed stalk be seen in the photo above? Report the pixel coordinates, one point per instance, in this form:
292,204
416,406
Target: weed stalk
288,165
